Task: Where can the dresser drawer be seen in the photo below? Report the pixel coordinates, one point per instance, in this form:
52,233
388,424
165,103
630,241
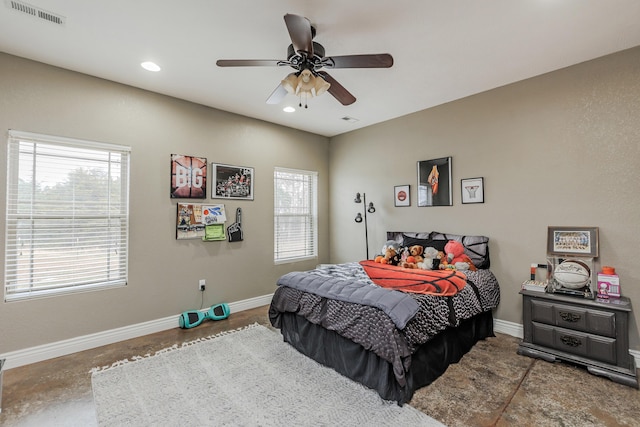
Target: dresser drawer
572,317
579,343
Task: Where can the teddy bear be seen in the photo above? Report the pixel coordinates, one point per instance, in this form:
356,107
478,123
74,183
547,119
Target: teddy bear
391,257
455,257
414,257
431,259
390,244
391,253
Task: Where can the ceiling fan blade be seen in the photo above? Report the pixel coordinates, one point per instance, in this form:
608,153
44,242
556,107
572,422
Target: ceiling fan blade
337,90
277,95
250,62
381,60
300,32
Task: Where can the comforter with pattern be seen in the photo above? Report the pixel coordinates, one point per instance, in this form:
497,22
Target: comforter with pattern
372,326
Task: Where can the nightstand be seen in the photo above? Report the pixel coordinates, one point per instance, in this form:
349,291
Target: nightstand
588,332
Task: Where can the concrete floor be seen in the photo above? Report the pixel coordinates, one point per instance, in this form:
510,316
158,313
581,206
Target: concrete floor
491,386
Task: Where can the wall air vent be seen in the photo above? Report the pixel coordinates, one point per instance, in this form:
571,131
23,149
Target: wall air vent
349,119
36,12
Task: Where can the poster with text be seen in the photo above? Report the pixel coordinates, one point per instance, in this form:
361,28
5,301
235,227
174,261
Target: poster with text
188,177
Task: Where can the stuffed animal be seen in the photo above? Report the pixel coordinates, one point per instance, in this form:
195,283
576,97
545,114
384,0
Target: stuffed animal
391,257
430,255
390,244
456,258
414,257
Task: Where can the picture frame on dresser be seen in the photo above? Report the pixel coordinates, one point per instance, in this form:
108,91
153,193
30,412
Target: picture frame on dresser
572,241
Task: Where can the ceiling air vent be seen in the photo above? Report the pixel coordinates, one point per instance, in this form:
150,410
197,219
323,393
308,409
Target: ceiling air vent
36,12
349,119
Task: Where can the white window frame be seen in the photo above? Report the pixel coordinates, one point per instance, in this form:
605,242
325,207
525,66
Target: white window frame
83,247
299,208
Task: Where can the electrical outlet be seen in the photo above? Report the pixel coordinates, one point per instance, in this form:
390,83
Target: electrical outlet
201,284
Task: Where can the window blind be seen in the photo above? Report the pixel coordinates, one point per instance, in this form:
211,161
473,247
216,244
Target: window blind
295,215
67,216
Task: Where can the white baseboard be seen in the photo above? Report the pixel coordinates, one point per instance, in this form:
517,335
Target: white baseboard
509,328
27,356
39,353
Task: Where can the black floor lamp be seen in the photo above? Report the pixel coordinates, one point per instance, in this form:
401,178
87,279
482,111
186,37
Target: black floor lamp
368,208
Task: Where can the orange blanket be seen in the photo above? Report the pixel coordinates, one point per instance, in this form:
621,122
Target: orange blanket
432,282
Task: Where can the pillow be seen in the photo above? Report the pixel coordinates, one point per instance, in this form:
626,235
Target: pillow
475,247
425,243
406,239
398,236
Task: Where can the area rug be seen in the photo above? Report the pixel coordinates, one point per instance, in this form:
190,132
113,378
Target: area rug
245,377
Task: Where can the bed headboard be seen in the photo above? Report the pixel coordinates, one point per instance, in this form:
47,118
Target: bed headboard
475,247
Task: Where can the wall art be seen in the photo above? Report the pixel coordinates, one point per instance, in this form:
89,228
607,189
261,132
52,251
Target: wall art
188,177
189,223
472,190
402,195
232,182
434,182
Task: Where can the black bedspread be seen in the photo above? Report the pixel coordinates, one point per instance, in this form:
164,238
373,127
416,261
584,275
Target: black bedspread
374,330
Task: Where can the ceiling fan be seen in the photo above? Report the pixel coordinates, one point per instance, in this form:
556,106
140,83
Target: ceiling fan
308,58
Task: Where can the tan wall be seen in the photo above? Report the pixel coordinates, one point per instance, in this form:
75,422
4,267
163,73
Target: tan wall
163,272
558,149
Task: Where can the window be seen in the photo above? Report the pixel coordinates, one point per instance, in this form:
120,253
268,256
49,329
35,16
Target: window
295,215
67,215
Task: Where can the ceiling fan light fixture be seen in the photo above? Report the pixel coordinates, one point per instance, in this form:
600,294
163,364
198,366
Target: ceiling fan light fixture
305,83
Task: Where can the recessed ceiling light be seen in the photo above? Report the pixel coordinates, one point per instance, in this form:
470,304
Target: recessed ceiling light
150,66
288,109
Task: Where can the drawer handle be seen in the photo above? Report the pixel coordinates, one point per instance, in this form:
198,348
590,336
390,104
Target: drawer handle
570,341
569,317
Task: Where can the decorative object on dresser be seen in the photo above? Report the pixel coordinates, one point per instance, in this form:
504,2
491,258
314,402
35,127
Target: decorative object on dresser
590,333
571,259
533,284
367,208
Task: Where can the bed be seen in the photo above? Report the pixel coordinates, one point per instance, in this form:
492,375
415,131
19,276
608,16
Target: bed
390,341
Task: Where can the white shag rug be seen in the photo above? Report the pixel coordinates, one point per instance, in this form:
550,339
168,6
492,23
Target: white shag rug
245,377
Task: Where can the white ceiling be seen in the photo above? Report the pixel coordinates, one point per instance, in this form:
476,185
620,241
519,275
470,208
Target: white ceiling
443,49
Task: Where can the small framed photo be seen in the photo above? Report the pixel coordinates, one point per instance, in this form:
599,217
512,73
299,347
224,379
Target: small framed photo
472,190
231,182
577,241
402,195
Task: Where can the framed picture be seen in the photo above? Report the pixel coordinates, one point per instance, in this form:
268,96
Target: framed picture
401,195
231,182
188,177
577,241
434,182
472,190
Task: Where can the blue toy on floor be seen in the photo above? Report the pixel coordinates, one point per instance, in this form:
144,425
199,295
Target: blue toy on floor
191,319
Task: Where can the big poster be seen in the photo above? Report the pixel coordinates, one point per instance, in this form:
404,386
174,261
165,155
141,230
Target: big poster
188,177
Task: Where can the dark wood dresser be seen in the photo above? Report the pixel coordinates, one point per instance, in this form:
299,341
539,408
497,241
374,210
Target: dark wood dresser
588,332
